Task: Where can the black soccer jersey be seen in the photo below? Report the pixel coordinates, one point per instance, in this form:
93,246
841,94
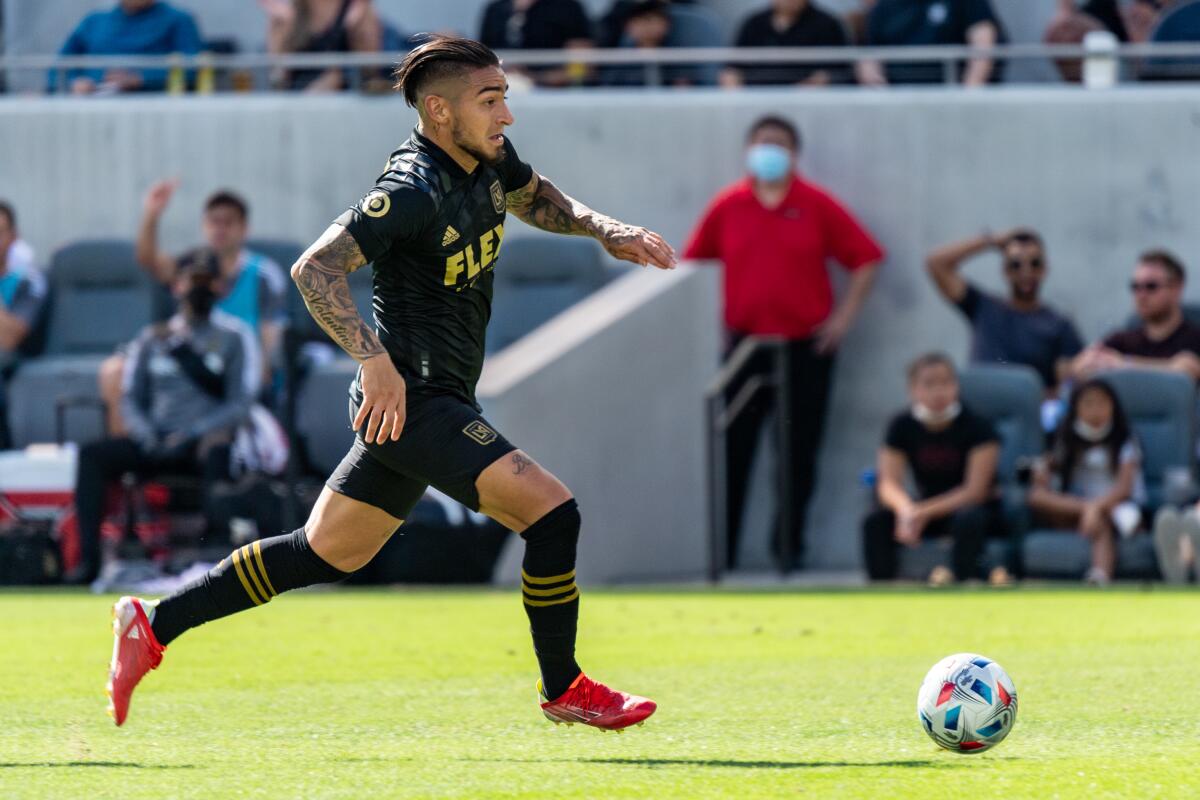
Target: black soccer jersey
433,233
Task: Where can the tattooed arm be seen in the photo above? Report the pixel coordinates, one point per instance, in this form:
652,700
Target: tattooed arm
540,204
320,274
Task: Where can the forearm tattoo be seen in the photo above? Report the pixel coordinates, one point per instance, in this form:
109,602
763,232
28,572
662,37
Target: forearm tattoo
320,274
548,208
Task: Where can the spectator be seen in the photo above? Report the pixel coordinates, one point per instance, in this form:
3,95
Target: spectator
788,23
1165,340
320,26
1018,329
649,26
952,456
1093,481
133,27
774,232
250,286
188,384
931,22
611,27
539,25
22,288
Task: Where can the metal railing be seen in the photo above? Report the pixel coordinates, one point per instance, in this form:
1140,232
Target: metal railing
950,57
728,398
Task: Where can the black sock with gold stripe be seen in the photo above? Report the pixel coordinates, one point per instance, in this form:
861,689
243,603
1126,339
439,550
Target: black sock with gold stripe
247,577
550,595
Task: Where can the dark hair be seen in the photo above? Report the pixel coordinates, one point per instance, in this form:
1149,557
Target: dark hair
437,58
930,360
199,261
776,121
1070,445
224,197
1167,260
1024,236
644,8
6,209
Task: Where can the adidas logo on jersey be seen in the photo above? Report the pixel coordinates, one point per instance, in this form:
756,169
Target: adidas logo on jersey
450,236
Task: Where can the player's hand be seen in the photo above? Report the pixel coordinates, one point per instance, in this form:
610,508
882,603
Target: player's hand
158,196
383,407
641,246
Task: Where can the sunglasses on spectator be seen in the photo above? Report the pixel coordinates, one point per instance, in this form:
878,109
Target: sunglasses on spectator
1145,286
1015,264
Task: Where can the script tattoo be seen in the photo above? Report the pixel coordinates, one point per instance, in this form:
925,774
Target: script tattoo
521,463
320,274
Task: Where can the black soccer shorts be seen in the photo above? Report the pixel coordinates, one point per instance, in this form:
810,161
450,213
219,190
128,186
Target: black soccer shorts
445,443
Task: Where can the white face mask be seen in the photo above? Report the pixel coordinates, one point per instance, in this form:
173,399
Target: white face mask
1091,433
926,415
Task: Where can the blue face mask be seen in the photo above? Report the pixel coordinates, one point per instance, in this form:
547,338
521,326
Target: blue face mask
768,162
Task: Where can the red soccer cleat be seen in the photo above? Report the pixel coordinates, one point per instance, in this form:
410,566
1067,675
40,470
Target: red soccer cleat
135,652
592,703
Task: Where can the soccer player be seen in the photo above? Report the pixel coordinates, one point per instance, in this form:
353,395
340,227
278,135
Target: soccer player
432,227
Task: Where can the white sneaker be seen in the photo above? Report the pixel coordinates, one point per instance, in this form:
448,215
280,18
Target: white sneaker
1168,535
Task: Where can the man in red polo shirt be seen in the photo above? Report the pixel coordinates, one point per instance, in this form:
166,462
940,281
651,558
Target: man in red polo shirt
775,232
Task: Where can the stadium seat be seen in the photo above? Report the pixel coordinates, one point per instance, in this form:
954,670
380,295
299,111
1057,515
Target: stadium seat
1160,407
322,414
44,389
89,281
539,277
1010,398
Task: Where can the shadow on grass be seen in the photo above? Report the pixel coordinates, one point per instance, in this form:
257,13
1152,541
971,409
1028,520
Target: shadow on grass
110,764
733,763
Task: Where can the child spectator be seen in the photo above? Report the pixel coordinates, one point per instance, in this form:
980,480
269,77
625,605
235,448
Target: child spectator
1092,483
952,455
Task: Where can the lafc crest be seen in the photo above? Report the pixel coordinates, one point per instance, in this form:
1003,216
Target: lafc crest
498,197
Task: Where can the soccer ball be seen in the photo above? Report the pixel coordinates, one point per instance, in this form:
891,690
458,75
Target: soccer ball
967,703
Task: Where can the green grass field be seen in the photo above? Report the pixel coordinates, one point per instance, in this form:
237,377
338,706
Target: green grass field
430,694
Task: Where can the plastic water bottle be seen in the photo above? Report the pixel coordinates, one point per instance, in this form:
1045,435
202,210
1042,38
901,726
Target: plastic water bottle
1100,66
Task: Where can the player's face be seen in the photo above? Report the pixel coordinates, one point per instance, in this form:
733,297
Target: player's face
934,387
1155,293
224,229
480,115
1025,269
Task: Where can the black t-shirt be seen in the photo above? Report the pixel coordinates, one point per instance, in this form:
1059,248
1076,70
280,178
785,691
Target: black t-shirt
434,233
927,22
938,459
1136,343
547,25
813,28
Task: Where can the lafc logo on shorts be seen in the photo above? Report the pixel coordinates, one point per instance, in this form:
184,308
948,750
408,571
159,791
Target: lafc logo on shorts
481,433
376,204
498,197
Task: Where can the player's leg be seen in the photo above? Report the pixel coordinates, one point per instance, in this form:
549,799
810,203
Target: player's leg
518,493
361,506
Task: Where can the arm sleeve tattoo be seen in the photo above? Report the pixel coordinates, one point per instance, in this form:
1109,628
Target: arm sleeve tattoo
320,274
542,205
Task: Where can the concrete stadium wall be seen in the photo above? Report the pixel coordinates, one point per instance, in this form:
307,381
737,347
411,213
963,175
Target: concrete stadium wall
610,400
1103,175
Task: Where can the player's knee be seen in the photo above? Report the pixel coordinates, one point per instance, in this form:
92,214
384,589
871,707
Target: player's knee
561,522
